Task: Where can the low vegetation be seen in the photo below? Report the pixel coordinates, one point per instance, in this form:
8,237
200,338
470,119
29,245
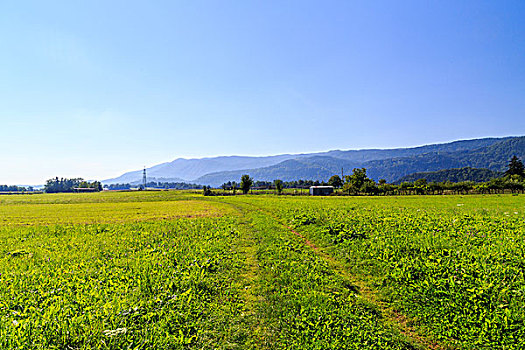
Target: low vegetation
453,265
177,270
156,285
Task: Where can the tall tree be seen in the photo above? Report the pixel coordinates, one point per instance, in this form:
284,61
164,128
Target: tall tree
355,182
246,183
515,167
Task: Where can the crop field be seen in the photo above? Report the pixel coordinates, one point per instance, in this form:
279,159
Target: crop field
176,270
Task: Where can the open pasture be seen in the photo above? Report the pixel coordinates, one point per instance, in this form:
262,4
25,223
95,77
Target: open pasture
176,270
97,197
453,264
45,209
155,274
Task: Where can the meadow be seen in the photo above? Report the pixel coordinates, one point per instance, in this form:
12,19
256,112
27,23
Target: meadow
177,270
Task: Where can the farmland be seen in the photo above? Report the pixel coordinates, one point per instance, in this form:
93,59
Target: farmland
176,270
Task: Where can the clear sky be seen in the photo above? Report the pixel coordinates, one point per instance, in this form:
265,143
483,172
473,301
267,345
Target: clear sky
95,88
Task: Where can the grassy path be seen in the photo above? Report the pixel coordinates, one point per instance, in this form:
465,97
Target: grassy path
310,301
247,245
391,317
444,274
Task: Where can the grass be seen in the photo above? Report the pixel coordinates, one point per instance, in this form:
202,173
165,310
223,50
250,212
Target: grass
142,285
108,208
99,197
176,270
453,265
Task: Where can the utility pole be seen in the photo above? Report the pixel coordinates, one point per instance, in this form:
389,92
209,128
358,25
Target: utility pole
144,178
342,174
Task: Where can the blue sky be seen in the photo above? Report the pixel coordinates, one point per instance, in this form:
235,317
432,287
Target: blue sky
96,88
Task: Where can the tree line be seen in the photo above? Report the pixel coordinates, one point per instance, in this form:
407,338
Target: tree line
57,185
275,184
358,183
13,188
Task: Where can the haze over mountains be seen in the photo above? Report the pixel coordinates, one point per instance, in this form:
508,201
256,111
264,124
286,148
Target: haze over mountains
388,164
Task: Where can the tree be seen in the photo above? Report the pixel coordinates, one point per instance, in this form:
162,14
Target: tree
278,185
97,186
405,187
482,188
61,185
246,183
355,182
514,183
335,181
369,187
420,182
420,186
496,185
515,167
206,190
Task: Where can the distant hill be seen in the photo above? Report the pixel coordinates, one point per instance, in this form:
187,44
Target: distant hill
187,170
388,164
135,178
494,157
362,156
453,175
316,167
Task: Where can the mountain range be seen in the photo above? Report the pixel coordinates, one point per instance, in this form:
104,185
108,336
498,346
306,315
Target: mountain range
388,164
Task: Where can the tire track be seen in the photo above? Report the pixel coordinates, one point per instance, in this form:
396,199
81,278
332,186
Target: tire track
393,317
246,244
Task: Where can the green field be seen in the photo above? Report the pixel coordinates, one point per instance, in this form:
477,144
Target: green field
176,270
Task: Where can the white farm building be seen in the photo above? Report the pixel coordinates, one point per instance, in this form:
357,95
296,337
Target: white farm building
321,190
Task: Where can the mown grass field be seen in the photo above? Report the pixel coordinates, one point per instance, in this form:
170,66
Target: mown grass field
176,270
89,213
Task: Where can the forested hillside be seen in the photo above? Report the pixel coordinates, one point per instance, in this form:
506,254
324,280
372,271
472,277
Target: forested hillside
453,175
494,157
